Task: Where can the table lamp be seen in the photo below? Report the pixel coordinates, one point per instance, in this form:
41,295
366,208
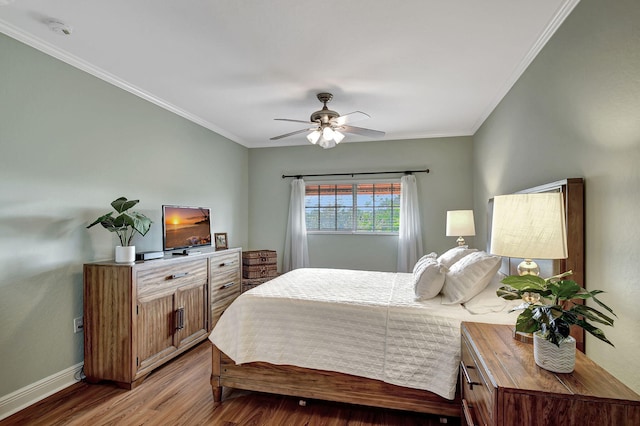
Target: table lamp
529,226
460,223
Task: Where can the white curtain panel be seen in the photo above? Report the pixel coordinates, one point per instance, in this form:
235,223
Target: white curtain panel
296,252
410,235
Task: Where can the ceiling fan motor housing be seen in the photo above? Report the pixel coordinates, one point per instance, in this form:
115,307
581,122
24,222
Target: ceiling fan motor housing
325,114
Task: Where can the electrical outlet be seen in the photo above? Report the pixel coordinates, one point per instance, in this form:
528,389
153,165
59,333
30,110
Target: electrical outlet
78,325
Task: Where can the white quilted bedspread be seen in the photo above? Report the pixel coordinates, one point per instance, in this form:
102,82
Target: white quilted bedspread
362,323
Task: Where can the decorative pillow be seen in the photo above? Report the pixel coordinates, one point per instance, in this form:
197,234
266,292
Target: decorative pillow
426,256
469,276
428,278
453,255
487,300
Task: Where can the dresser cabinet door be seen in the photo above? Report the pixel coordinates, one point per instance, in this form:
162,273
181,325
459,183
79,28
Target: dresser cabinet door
156,327
190,314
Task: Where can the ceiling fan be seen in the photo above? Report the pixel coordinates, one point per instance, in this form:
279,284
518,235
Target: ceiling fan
327,126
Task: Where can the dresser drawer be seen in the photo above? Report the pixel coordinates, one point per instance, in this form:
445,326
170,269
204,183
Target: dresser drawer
151,281
224,265
225,275
225,282
477,392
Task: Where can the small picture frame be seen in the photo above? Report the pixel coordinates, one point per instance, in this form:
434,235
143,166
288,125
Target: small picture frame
221,240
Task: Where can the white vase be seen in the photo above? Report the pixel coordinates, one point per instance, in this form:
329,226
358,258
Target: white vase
125,254
560,359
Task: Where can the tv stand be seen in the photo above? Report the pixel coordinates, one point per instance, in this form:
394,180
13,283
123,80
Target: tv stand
137,316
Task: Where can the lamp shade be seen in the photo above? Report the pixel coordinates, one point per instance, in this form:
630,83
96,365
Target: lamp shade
460,223
529,226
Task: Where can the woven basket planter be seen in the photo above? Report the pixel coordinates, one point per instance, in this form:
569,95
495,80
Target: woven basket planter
553,358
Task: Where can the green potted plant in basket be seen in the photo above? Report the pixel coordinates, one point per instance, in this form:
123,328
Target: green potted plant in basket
549,309
126,224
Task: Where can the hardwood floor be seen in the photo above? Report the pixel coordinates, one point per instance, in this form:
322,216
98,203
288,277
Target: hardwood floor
179,393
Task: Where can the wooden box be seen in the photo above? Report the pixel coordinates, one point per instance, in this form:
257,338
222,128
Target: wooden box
259,257
260,271
248,284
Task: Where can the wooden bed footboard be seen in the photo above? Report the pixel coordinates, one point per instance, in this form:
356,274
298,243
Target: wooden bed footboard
324,385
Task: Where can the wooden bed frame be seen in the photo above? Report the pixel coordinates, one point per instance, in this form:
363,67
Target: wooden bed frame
324,385
332,386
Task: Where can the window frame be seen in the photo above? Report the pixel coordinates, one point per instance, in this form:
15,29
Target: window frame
353,183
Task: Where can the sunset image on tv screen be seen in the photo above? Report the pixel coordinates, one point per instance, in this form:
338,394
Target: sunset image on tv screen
186,227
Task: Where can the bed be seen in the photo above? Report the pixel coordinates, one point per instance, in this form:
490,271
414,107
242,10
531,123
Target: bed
358,337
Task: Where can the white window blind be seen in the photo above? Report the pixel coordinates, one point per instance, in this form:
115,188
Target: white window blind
364,207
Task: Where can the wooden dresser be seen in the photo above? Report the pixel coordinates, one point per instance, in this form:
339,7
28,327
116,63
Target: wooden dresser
501,385
139,316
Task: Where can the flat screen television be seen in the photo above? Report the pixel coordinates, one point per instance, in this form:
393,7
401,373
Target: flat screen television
185,227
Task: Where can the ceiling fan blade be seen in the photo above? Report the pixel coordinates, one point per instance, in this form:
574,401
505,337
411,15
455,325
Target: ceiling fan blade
351,117
275,138
362,131
295,121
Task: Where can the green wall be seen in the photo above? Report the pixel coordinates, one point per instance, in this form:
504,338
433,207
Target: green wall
447,187
69,145
575,112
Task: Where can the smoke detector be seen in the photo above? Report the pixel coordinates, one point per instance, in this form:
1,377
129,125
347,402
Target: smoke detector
59,27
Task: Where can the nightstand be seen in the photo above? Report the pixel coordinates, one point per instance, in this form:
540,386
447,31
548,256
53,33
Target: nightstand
501,385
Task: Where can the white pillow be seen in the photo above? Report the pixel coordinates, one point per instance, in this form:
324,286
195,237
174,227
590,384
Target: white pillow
428,278
423,258
468,277
453,255
488,301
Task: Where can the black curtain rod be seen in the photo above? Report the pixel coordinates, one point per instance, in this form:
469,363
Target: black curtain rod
406,172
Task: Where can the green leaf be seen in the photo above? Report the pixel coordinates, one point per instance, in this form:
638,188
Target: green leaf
594,331
592,314
122,221
508,293
525,322
122,204
526,282
140,223
102,219
565,290
593,296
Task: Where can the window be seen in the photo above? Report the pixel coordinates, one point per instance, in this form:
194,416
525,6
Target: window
353,207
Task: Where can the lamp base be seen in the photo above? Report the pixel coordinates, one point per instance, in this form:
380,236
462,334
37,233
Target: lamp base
528,267
461,242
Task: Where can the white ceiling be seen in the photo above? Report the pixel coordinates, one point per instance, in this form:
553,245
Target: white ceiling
419,68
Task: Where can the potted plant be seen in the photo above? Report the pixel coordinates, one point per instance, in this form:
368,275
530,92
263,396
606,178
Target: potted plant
125,225
549,309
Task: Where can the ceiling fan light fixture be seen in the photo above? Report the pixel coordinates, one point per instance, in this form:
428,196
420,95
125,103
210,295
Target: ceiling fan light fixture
337,136
314,136
327,133
326,143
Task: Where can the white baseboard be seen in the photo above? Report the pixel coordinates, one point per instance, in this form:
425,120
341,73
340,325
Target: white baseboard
28,395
